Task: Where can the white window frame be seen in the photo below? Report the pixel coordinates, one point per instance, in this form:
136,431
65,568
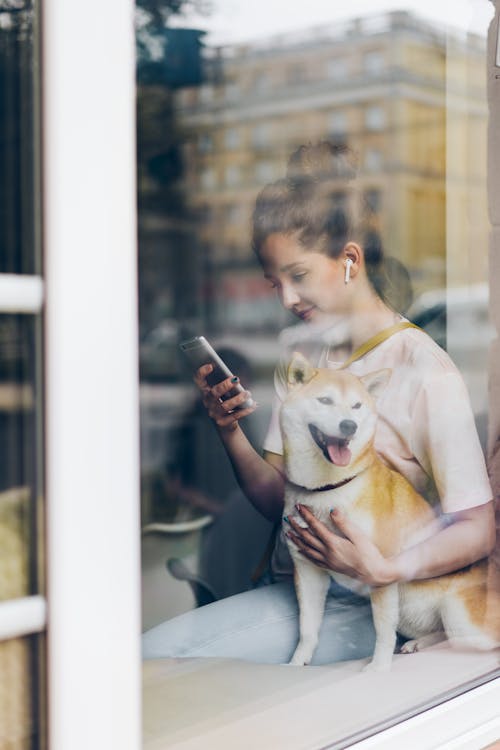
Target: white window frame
91,396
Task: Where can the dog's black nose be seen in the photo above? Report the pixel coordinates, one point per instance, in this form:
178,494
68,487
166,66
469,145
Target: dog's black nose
348,427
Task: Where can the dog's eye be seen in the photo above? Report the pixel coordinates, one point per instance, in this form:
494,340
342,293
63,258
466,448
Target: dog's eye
357,406
325,400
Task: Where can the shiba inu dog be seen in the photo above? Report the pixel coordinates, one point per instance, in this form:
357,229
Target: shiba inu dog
328,421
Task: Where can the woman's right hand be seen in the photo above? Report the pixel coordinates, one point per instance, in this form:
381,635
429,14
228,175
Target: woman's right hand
225,413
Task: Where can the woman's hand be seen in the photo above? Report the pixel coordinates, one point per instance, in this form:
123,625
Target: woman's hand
225,413
349,551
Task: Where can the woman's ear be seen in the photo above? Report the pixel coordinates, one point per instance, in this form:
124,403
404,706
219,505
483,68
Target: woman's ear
351,258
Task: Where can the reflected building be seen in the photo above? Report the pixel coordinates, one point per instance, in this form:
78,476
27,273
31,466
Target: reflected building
408,97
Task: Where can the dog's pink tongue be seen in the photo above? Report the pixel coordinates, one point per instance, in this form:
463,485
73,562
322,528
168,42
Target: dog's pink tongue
339,453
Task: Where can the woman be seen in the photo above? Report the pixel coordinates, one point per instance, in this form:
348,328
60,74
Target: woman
323,267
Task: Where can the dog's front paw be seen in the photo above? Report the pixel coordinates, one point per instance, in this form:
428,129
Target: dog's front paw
298,662
301,657
410,647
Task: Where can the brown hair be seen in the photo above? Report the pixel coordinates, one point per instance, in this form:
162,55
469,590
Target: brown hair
311,202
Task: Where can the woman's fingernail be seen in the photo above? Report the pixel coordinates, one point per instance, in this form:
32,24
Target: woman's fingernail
298,506
234,379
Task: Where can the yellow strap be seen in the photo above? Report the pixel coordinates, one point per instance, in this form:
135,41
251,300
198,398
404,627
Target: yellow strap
376,340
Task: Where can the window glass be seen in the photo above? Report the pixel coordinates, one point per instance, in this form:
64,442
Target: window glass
17,139
22,688
20,482
18,711
372,130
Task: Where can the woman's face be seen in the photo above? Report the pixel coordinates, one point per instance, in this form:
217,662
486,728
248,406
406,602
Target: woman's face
308,282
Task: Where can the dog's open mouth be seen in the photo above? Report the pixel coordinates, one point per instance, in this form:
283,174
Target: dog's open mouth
336,450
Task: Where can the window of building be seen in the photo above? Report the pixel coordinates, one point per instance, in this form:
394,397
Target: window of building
232,175
337,69
375,118
233,213
264,171
232,91
338,124
208,179
206,94
296,74
373,200
261,135
261,81
374,160
374,62
205,143
232,138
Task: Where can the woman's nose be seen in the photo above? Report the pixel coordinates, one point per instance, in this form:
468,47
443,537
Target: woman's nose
289,297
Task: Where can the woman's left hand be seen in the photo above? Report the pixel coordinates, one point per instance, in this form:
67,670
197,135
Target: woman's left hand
350,551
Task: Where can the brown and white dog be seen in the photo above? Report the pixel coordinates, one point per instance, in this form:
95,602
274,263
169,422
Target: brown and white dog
328,421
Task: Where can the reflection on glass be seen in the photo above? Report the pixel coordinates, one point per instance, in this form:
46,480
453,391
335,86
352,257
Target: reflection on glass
18,726
19,483
19,189
388,86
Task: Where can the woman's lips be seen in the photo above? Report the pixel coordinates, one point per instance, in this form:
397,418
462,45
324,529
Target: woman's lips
305,314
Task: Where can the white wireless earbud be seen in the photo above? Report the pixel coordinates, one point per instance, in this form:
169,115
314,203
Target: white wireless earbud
347,274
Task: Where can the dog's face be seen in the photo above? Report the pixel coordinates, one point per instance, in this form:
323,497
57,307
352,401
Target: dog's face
328,420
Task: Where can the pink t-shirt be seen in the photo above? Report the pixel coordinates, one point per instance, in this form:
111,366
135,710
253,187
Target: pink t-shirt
426,427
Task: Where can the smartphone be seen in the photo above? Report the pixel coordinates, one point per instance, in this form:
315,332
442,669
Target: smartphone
200,352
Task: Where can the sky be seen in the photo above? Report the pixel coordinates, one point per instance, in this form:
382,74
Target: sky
236,21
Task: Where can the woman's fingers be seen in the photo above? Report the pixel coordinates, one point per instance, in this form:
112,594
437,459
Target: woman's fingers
305,535
200,377
223,408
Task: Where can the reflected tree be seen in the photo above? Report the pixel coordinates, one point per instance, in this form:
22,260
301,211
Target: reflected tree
169,273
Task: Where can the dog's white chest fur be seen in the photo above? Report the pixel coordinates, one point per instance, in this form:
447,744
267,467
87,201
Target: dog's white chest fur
321,503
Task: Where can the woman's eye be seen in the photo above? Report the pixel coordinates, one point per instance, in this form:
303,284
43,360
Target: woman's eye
299,276
325,400
357,406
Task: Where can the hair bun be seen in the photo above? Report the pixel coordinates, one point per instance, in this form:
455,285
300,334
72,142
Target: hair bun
322,161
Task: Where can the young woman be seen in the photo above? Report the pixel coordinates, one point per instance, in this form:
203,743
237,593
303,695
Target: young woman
321,264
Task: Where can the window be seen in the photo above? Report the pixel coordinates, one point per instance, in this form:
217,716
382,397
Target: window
205,143
232,139
208,179
264,171
374,160
337,124
296,74
373,200
202,540
206,94
261,135
373,62
22,554
375,118
232,175
232,91
337,69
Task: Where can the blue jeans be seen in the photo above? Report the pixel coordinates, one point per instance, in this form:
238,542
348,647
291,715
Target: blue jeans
262,626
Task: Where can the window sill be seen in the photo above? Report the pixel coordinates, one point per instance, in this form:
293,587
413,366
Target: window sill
229,703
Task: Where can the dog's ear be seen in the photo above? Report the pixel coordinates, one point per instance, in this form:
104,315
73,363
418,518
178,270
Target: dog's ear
375,382
300,370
